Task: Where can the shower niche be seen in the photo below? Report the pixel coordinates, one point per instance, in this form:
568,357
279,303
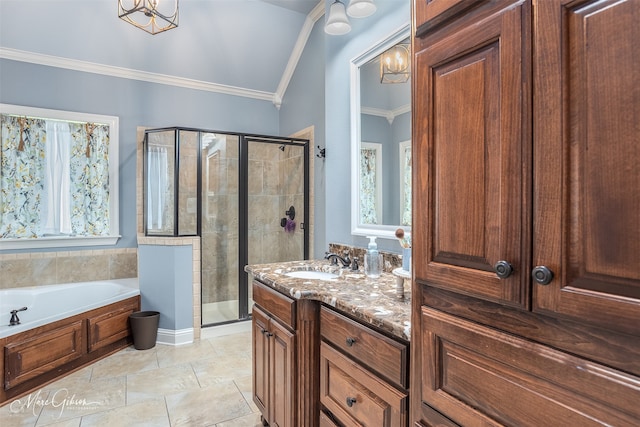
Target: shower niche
232,190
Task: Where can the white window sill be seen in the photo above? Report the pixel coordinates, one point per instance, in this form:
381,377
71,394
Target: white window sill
57,242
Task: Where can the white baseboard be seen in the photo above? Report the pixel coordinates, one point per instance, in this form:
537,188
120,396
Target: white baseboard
172,337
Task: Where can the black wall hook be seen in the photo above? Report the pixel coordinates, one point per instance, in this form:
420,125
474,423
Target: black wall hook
323,153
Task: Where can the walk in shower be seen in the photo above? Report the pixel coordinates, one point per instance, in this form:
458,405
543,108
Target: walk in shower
246,196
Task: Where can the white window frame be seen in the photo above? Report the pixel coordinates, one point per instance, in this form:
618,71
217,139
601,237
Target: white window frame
402,148
114,164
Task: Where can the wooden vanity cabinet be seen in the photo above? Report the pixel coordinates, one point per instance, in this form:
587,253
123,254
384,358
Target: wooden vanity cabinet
285,358
526,197
274,379
363,374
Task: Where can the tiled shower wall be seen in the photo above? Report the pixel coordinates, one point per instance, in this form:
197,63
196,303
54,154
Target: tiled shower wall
49,268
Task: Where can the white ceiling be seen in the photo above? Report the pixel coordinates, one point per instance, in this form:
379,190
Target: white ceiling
301,6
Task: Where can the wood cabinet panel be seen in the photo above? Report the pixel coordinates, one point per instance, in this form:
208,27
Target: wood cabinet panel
326,421
430,14
383,355
586,176
471,157
283,385
274,368
110,327
279,305
260,351
470,371
357,397
35,356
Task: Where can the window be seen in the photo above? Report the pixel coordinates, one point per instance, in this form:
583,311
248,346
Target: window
58,178
371,183
405,183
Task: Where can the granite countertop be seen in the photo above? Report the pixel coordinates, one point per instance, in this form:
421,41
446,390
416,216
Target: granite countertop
374,301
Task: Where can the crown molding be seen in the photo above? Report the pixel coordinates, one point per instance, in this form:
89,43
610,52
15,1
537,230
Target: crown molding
131,74
390,115
316,13
127,73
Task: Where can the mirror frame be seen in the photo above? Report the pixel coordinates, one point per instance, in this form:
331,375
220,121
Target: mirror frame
357,229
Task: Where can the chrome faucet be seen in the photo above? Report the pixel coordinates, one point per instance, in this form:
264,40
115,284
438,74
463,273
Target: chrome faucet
345,261
334,258
14,316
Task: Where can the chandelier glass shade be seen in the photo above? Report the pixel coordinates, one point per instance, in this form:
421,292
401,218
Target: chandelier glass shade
394,64
152,16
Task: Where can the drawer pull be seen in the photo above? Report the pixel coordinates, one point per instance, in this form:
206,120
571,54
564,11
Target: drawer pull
269,334
351,401
542,275
350,341
263,331
503,269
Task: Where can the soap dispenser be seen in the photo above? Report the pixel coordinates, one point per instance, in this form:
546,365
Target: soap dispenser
372,259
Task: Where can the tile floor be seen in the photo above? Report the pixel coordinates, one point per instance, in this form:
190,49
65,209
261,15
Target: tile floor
207,383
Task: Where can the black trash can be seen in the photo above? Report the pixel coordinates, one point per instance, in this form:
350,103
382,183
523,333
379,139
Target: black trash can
144,328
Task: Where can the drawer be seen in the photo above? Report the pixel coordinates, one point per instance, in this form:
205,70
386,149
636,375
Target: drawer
381,354
355,396
279,305
470,371
433,13
326,421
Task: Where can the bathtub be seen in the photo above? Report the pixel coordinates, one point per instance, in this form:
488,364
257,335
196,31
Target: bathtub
47,304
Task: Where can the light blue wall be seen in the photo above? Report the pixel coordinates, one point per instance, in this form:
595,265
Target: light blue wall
212,42
166,284
303,106
136,103
339,51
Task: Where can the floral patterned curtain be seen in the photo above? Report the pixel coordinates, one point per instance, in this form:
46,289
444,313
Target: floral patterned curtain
368,193
22,178
89,179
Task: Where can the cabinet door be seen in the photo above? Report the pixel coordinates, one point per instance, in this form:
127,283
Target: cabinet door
471,143
282,367
586,156
260,324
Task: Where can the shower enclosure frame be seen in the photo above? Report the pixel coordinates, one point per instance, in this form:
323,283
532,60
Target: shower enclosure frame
244,139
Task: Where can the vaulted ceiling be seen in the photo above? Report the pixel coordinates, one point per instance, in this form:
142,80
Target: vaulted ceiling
246,46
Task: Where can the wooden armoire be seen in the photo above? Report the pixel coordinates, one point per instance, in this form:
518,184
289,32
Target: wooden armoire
526,213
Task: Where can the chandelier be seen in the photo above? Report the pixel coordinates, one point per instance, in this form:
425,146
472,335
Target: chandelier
394,64
152,16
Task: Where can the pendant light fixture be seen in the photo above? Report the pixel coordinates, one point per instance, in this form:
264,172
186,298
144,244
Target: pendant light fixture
394,64
337,21
152,16
361,8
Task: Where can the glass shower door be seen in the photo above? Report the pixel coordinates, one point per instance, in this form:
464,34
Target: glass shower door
254,204
219,233
277,202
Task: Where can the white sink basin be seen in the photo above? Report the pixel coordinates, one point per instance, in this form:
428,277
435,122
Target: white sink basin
311,274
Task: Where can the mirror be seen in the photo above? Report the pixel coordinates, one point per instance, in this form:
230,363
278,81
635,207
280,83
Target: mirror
381,139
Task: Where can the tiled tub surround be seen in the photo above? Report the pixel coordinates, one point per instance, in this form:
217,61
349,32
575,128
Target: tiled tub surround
373,301
50,268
